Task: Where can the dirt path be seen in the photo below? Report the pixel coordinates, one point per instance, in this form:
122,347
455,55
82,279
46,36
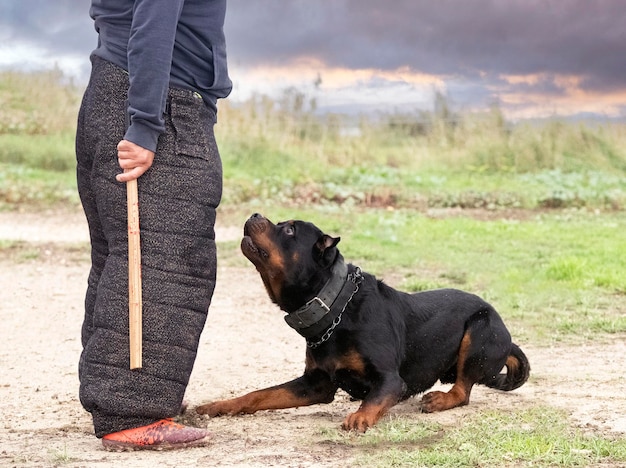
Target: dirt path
245,345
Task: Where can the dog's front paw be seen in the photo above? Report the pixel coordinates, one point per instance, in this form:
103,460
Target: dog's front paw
217,408
359,422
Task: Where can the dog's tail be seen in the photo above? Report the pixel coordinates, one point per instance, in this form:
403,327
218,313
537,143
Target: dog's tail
517,371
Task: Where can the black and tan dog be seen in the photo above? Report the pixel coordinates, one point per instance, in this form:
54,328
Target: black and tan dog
379,345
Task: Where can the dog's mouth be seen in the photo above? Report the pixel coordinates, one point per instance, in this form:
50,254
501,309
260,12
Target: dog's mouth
254,236
251,250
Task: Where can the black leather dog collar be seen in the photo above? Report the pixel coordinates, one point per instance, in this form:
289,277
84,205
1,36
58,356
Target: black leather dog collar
318,315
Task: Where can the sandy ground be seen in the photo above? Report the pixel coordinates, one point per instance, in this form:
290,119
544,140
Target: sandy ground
245,346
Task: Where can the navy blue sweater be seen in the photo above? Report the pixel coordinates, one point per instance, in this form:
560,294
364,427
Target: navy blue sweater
162,43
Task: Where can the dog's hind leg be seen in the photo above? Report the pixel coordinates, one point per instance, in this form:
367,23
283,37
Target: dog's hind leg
482,353
459,394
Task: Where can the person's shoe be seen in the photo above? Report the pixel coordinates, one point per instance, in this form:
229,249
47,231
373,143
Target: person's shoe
164,434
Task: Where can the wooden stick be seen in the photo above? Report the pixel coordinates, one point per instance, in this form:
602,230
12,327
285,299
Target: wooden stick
134,276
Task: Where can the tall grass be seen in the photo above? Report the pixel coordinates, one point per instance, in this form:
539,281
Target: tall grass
285,151
42,103
423,140
37,121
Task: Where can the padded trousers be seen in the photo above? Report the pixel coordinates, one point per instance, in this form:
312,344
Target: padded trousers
178,197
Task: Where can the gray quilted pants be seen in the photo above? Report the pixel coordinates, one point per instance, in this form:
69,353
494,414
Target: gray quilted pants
178,196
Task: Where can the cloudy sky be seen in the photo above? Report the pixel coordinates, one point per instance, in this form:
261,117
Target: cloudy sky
533,57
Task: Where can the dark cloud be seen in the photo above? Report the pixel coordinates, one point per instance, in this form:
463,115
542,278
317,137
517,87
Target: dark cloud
61,26
469,43
444,37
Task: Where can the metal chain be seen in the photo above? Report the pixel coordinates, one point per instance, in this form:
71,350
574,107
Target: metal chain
356,278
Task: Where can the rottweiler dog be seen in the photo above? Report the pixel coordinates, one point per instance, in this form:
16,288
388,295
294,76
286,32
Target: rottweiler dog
378,344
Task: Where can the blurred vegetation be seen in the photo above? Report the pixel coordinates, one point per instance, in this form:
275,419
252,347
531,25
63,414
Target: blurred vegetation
43,103
285,151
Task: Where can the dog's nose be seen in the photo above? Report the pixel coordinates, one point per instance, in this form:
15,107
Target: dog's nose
256,215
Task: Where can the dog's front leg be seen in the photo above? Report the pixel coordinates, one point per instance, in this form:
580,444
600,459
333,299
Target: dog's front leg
376,403
312,388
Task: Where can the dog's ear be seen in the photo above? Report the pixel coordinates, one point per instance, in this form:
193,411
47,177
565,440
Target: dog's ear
326,247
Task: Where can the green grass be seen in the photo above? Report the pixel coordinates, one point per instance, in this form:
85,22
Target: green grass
41,103
292,182
26,187
53,153
19,251
540,436
60,456
554,276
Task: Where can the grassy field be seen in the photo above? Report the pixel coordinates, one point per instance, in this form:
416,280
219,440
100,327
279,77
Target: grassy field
531,437
555,276
529,215
534,437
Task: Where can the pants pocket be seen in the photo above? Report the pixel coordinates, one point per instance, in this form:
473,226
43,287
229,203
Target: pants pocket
192,122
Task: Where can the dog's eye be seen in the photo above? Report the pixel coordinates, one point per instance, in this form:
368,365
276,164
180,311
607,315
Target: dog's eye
289,230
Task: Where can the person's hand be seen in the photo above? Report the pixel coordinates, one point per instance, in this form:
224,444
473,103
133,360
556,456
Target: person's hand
134,159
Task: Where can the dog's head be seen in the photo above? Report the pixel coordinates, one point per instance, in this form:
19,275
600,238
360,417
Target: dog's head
294,258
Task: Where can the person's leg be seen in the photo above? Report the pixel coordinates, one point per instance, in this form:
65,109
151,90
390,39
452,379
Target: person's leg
178,266
101,123
96,131
178,197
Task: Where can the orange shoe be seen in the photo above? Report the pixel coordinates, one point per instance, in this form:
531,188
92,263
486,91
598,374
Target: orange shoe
164,434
